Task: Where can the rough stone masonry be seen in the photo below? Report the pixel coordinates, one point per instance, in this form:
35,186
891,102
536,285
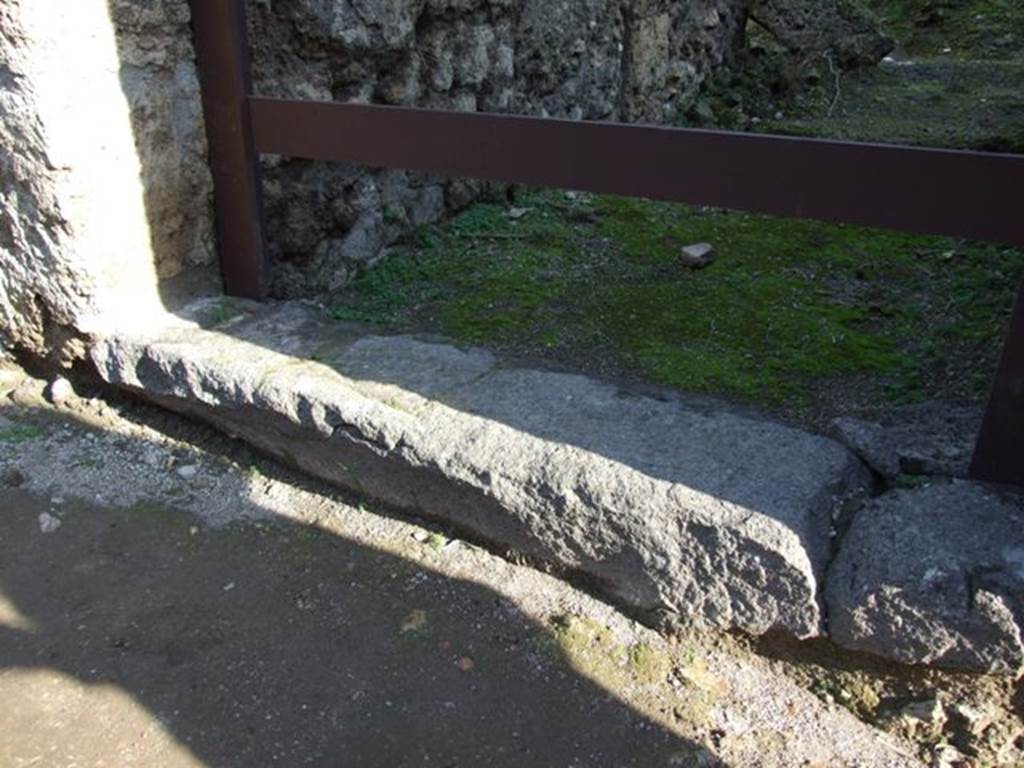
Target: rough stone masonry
104,188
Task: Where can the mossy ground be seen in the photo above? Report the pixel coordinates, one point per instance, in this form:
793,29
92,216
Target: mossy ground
641,669
19,433
936,102
956,80
968,29
788,309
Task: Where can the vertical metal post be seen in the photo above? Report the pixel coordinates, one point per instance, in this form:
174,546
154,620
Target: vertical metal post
222,51
999,455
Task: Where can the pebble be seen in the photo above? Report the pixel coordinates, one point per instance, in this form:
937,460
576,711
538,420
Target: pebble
59,391
698,255
188,471
974,720
13,478
29,392
929,712
48,523
421,536
946,756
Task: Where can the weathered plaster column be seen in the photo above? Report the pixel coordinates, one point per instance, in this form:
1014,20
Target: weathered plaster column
95,129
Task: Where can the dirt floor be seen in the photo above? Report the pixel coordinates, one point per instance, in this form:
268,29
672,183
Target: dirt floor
143,642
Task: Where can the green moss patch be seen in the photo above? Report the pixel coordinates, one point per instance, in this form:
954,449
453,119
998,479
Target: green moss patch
992,28
787,308
19,433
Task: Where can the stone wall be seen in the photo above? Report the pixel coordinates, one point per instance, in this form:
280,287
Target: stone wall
161,86
591,60
38,286
843,31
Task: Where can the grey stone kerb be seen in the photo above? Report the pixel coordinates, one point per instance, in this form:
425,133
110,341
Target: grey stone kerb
934,576
670,505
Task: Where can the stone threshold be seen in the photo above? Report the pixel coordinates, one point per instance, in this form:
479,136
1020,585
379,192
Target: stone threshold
667,504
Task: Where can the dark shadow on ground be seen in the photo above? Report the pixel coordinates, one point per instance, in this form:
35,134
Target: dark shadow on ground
285,645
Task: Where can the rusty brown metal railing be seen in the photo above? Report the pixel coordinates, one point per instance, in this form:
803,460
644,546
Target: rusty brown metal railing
222,52
948,192
999,453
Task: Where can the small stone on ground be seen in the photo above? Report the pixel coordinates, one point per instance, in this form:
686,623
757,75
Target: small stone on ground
48,523
697,256
59,390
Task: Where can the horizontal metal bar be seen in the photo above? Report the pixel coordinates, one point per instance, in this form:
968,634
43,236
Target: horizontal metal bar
948,192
